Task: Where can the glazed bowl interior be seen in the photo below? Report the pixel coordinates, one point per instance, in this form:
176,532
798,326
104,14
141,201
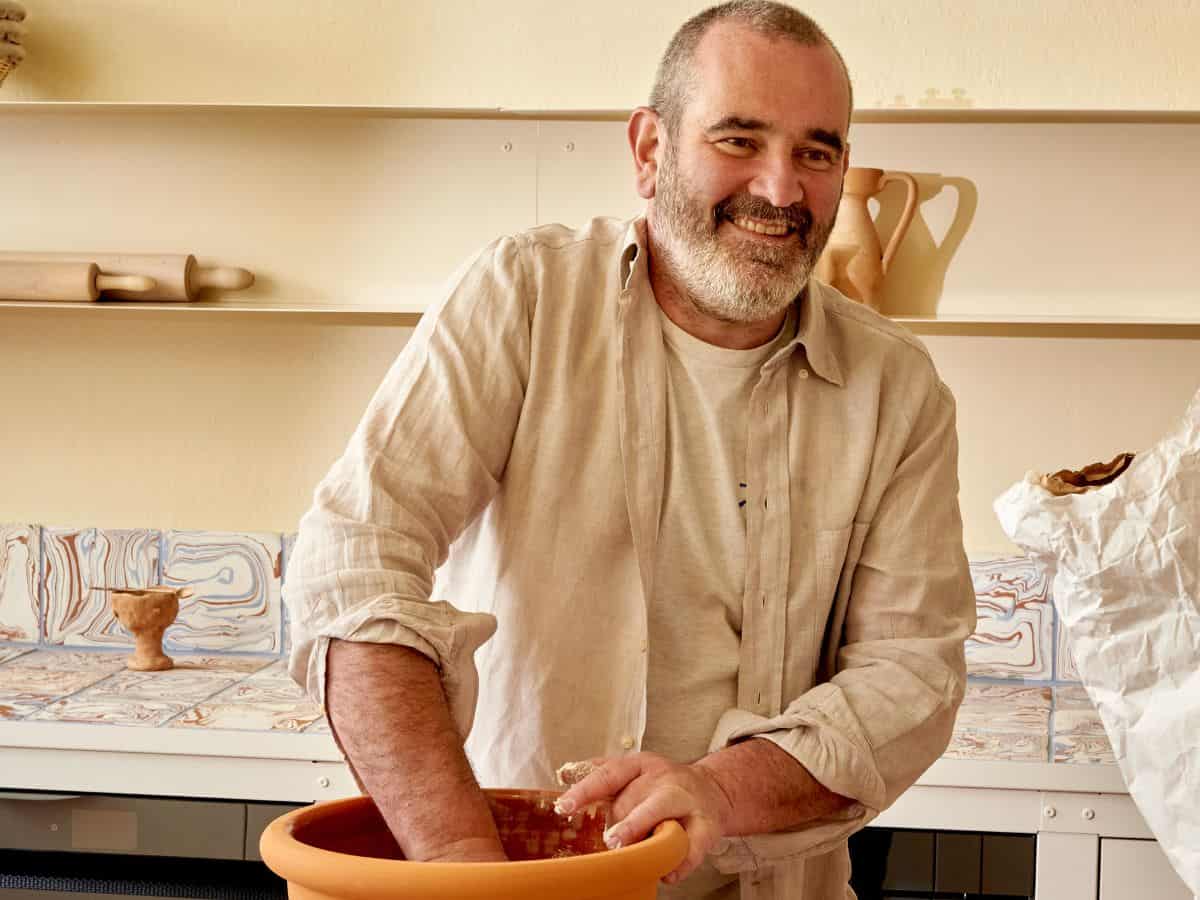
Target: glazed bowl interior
528,825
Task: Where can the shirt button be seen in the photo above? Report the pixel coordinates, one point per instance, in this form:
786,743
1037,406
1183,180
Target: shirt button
627,742
804,373
643,646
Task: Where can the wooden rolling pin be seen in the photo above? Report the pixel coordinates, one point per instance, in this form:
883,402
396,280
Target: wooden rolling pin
178,277
72,282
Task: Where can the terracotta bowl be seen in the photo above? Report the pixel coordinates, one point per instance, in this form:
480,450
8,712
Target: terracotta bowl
342,850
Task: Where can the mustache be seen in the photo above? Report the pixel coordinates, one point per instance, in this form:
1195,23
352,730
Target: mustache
796,216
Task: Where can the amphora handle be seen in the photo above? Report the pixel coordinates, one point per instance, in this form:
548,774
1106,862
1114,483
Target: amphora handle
910,207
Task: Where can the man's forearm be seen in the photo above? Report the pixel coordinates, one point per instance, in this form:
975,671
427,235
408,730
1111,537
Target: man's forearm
767,789
389,713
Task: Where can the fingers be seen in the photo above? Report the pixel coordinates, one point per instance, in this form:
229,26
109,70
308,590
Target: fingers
574,772
664,801
668,801
603,783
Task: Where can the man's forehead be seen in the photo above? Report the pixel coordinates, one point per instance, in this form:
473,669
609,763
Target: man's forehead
739,72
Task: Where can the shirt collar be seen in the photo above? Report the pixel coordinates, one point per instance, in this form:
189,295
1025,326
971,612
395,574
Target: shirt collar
812,331
812,321
633,252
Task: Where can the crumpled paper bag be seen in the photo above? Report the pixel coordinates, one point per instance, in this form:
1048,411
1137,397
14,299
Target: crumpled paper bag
1125,563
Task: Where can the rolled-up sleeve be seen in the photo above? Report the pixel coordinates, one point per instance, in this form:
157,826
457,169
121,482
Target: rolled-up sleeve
887,713
424,461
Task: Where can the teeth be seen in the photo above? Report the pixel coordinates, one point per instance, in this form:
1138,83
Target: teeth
775,228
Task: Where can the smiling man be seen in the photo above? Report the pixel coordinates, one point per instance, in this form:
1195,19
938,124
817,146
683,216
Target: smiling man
694,515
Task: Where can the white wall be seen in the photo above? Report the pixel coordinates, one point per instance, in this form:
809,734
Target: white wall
547,54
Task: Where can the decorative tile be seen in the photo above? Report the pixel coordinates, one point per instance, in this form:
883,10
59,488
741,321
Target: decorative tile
69,661
257,691
1065,668
175,685
321,726
236,580
20,556
1002,722
997,745
238,666
1079,735
10,653
76,561
276,668
1005,708
1014,636
42,685
289,544
14,708
110,711
291,716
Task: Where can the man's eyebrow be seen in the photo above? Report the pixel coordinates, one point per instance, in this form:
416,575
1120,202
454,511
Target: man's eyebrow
737,123
829,138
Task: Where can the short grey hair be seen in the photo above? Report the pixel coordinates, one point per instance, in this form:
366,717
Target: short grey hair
675,81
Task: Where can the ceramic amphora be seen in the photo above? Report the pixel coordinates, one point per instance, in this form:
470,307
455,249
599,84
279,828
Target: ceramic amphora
343,850
854,261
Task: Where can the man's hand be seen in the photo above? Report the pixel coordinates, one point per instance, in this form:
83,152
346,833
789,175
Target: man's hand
647,789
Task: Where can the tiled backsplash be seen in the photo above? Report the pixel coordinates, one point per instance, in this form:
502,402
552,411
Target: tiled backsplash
1018,634
47,575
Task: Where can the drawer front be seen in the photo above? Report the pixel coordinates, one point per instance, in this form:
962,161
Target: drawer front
193,828
258,817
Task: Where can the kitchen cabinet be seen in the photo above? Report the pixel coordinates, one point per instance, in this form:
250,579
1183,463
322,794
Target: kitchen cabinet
1135,870
132,825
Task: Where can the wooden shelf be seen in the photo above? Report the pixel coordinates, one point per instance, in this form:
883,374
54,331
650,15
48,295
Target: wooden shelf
326,312
1060,326
905,115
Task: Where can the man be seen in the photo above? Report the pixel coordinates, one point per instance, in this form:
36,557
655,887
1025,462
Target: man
685,501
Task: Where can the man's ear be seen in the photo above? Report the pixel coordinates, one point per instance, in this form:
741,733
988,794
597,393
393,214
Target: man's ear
644,132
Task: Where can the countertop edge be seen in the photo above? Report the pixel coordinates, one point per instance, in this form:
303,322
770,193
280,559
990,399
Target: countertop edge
184,742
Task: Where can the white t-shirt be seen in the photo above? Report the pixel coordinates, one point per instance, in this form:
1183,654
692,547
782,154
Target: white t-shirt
695,615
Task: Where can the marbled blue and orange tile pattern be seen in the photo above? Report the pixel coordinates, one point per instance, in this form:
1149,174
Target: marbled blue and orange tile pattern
76,561
1014,637
266,701
230,642
1065,668
1003,721
236,579
1079,735
20,560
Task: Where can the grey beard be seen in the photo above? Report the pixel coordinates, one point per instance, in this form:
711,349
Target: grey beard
736,286
736,291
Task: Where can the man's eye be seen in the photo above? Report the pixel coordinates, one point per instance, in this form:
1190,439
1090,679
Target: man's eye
738,143
817,159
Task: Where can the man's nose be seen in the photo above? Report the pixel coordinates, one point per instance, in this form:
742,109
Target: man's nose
778,182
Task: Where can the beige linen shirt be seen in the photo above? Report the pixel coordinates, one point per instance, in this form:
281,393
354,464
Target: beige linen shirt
517,448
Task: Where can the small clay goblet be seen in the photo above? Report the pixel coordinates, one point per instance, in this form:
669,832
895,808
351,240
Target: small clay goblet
146,614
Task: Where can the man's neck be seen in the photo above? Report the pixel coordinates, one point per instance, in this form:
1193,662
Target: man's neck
683,312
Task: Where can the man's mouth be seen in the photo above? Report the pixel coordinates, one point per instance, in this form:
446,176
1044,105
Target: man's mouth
775,228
